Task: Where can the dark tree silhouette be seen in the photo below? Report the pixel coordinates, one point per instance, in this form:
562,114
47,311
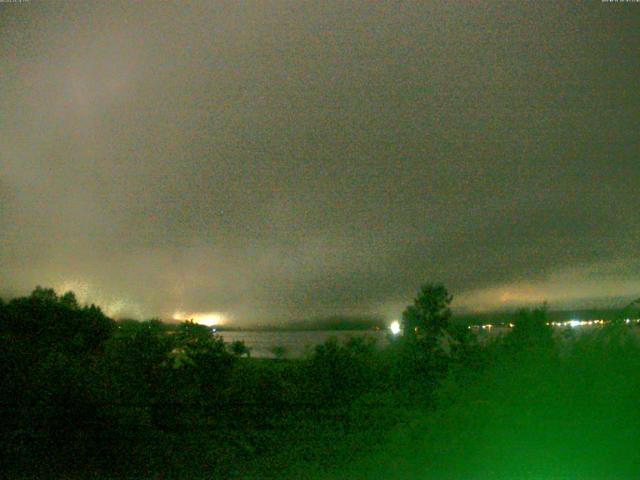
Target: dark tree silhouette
69,300
430,313
339,371
531,330
278,352
45,320
239,349
630,310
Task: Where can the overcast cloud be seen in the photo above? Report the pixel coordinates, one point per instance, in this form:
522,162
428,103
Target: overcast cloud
292,159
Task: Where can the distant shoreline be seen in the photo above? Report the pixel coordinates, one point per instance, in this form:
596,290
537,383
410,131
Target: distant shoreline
378,324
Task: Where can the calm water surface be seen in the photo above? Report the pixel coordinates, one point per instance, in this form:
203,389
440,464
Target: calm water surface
296,344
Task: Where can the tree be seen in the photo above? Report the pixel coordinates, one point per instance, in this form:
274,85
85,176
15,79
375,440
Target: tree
239,348
69,300
279,351
631,310
430,313
208,363
44,295
340,371
531,330
44,320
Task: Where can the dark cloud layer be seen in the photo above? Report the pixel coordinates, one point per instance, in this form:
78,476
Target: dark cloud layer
286,159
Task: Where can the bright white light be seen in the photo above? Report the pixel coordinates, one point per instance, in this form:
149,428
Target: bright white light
395,327
209,319
575,323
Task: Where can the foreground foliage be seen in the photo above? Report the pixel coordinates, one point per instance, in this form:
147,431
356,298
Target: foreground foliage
83,396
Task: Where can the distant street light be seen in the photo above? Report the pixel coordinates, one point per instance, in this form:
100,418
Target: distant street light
395,327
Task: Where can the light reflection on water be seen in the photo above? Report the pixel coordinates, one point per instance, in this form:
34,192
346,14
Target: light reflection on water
296,344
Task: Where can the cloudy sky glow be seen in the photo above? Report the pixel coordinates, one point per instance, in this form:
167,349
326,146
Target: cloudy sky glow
289,159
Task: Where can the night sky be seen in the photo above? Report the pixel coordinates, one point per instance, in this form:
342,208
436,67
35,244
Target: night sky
285,160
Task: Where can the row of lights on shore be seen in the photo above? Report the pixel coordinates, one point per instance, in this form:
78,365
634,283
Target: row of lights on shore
395,325
568,323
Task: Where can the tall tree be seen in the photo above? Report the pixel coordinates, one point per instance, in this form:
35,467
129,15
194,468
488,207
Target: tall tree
430,313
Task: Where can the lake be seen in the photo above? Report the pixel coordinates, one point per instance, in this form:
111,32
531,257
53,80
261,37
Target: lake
296,344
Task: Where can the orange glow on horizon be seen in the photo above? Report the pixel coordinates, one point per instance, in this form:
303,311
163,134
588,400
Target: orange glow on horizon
209,319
